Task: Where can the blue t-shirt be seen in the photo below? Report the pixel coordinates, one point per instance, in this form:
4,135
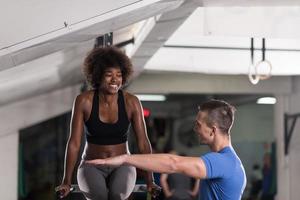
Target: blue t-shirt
225,176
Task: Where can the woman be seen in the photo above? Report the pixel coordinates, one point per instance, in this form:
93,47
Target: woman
105,112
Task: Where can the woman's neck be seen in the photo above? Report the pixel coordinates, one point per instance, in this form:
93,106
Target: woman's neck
107,98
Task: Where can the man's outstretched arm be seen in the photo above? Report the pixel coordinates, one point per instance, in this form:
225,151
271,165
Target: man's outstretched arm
162,163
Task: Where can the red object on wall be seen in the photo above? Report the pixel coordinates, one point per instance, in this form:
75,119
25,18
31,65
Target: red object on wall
146,112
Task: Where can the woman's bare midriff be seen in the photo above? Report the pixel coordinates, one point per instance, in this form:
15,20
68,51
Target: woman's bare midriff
95,151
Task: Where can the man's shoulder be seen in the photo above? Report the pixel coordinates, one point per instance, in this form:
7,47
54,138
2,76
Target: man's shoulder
222,161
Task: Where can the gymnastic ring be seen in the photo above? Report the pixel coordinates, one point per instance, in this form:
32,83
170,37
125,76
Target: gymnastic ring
263,76
253,78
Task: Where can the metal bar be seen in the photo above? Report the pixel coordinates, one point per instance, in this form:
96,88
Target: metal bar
121,44
252,51
285,134
104,40
263,49
288,130
227,48
137,188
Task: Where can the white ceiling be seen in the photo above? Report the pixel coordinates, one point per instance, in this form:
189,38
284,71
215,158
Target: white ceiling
232,3
43,57
217,41
40,54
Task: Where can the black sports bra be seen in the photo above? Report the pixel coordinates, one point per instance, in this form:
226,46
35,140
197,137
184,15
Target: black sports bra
98,132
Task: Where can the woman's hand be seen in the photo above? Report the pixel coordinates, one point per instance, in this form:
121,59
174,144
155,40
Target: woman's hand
63,190
153,189
113,161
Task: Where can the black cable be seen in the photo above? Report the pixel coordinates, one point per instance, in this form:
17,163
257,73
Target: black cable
263,49
252,50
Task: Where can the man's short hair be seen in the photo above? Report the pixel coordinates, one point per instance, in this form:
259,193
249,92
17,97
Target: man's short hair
219,113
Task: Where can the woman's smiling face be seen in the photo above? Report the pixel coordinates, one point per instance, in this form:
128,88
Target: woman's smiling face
112,80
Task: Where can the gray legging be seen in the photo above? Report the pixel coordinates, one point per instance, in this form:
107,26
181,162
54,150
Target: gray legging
103,183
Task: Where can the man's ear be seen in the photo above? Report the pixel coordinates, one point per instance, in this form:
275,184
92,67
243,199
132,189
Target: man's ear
211,132
214,129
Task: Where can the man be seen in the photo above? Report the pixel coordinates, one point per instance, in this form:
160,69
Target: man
222,173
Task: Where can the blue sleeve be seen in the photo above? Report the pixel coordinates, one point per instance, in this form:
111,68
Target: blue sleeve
216,164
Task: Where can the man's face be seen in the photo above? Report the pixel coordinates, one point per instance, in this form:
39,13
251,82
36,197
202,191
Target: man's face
201,129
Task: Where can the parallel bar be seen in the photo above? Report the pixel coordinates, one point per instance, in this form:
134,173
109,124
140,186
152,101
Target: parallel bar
137,188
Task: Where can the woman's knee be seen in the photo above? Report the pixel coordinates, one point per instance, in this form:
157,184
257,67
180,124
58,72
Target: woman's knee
122,182
92,183
114,195
95,195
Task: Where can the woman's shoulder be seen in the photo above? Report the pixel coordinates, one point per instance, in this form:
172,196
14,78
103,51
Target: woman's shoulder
86,95
132,102
85,98
130,98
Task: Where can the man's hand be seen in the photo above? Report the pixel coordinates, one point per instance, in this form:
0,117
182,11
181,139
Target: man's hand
153,189
113,161
169,193
193,194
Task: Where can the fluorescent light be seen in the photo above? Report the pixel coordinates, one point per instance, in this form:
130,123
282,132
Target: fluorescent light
151,97
266,100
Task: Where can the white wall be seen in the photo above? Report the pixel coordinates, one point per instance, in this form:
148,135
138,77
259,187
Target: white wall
288,170
20,115
294,148
253,123
195,83
287,92
9,165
